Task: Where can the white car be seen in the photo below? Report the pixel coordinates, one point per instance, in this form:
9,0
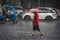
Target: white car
0,10
45,13
19,10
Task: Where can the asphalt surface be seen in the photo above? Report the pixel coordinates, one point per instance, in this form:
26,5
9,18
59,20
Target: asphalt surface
23,29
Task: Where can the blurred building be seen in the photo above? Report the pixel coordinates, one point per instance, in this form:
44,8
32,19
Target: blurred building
33,3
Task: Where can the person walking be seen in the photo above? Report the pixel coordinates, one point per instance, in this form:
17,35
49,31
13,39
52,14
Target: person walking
36,24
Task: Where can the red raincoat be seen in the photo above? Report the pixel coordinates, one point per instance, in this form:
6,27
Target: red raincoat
36,20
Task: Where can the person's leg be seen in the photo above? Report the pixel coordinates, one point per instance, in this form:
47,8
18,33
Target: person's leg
38,29
41,33
33,31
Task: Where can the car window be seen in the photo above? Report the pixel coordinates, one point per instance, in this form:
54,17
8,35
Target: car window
45,11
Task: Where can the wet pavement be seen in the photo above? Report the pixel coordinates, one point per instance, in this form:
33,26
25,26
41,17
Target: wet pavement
23,30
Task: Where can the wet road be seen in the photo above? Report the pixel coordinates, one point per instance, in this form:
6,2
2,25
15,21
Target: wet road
23,29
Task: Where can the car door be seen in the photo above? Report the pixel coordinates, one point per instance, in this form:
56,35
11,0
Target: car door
43,13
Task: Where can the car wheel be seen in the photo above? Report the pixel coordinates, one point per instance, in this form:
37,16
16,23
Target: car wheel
8,19
49,18
19,17
27,18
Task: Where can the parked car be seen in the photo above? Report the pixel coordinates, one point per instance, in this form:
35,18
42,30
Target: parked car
58,12
19,10
45,13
